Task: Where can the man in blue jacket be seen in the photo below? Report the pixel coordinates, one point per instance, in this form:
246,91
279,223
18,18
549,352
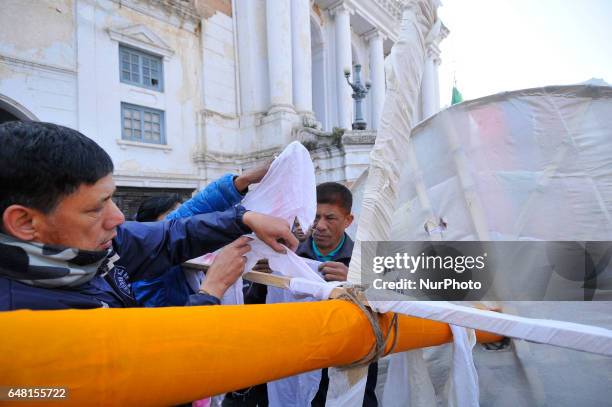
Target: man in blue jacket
172,288
64,243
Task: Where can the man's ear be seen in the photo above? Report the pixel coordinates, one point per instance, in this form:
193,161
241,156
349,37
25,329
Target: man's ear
19,221
349,219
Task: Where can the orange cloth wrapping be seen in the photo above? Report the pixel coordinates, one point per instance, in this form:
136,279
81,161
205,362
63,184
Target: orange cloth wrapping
166,356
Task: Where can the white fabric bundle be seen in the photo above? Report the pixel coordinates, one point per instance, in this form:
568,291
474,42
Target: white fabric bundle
288,191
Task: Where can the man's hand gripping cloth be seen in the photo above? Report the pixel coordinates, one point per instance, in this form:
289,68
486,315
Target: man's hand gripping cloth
287,191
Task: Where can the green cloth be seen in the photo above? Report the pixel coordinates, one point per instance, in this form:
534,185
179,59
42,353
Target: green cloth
329,255
457,97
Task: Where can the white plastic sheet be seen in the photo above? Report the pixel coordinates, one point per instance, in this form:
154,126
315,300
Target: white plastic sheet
531,164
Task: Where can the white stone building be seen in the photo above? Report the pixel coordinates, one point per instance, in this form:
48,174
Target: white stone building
181,91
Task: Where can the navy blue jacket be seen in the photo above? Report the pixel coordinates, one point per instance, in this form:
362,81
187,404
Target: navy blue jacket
171,288
146,250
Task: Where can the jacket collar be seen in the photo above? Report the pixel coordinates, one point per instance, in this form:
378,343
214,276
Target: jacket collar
305,249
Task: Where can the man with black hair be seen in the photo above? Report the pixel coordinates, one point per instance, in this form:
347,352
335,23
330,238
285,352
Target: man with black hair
155,208
329,243
64,243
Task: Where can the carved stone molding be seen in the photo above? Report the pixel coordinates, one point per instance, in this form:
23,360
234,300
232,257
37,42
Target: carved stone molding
359,137
219,157
373,34
340,7
314,139
208,114
24,63
393,7
141,37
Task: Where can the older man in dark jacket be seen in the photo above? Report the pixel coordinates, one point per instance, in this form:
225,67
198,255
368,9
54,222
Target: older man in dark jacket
329,244
64,243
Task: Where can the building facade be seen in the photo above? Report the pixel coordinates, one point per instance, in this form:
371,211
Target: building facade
181,91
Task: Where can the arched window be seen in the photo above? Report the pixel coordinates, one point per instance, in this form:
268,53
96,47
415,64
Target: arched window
10,110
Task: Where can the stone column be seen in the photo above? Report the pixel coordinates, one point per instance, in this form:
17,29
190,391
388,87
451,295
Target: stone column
377,75
428,97
280,73
430,90
302,60
344,59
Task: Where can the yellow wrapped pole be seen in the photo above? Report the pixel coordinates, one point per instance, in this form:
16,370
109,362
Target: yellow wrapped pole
167,356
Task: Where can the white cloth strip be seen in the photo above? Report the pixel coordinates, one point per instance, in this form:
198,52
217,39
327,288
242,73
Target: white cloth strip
581,337
319,290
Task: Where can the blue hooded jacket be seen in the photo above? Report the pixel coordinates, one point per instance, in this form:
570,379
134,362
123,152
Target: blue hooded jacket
171,288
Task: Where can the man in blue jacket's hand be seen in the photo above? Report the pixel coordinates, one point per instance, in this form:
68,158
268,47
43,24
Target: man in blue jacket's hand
172,288
64,243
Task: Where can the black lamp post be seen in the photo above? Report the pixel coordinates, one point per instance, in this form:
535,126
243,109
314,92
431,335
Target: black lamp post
359,93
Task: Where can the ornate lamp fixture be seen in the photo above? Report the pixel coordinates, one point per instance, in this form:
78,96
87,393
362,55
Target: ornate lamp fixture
359,93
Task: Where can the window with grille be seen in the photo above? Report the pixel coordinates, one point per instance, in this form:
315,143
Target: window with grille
142,124
139,68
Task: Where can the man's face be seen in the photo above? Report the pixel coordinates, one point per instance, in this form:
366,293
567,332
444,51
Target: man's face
329,225
87,219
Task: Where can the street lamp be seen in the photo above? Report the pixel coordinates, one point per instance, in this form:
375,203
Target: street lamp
359,93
